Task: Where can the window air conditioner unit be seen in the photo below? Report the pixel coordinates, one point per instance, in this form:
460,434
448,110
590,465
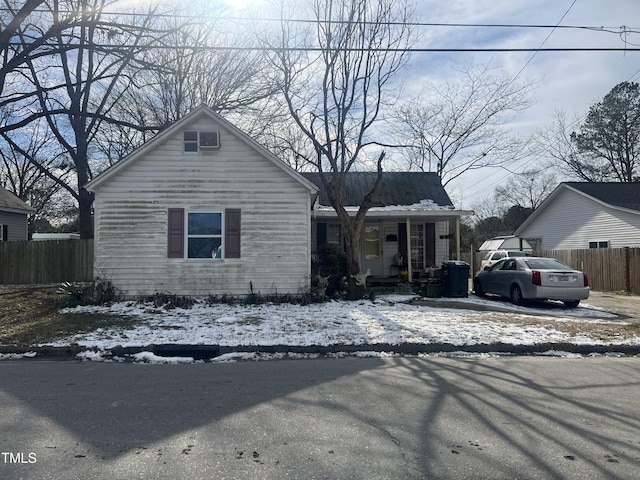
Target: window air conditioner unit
209,139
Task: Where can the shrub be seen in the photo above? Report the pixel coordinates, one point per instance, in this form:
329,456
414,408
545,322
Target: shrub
332,263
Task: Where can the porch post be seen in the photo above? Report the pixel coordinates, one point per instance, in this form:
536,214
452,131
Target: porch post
409,271
457,238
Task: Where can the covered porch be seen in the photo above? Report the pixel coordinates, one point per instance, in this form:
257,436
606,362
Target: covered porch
396,246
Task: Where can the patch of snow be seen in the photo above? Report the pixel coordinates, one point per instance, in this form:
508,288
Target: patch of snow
560,353
426,205
149,357
91,355
17,356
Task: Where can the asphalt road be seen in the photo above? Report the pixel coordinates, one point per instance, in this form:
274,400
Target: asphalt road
399,418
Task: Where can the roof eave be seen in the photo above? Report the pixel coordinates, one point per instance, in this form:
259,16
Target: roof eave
26,211
444,214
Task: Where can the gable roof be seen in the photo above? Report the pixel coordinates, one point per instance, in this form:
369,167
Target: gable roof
617,195
13,204
397,189
183,123
624,195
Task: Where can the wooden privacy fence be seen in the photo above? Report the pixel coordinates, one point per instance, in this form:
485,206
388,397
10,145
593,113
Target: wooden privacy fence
52,261
608,269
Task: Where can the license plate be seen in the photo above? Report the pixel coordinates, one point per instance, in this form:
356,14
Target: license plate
563,278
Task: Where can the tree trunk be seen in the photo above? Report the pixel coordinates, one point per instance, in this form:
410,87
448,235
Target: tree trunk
85,220
353,230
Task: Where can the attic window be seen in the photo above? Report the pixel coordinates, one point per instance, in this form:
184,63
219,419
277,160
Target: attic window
190,141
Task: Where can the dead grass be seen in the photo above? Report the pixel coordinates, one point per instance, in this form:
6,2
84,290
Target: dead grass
606,332
30,317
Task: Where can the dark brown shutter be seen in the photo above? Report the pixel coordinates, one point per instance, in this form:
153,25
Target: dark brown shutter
402,240
5,233
430,244
232,233
176,233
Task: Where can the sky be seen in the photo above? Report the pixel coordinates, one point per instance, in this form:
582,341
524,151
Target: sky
568,81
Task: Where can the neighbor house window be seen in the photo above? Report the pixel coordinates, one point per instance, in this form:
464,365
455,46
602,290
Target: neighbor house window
599,244
204,235
191,141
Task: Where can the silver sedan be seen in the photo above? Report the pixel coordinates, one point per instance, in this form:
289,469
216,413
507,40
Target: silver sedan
533,278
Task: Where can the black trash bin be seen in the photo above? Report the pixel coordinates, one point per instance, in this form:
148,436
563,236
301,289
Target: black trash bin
455,279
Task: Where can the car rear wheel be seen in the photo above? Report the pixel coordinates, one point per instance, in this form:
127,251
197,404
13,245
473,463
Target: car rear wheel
571,303
477,288
516,295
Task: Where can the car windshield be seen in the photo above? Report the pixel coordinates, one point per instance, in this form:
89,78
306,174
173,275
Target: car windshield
518,253
546,264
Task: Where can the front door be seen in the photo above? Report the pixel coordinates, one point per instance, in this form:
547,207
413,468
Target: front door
372,248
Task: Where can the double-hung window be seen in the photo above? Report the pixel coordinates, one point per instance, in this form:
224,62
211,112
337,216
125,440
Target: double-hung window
190,141
204,235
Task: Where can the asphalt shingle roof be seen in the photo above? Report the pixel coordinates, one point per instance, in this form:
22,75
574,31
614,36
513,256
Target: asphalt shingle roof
398,188
625,195
9,202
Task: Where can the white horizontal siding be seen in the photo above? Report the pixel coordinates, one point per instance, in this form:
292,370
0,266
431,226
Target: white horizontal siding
573,220
16,225
132,221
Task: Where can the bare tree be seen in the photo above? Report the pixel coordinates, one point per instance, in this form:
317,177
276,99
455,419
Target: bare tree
526,189
555,143
335,93
14,17
29,181
71,83
458,127
200,69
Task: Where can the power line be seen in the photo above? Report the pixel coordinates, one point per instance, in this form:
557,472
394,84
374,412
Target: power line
600,28
544,41
342,49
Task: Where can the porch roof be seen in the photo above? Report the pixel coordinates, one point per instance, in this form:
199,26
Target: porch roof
401,195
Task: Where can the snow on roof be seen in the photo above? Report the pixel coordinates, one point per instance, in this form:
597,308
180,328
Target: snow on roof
427,205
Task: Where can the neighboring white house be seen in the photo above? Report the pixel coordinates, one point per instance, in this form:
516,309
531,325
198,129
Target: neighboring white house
13,217
203,209
586,215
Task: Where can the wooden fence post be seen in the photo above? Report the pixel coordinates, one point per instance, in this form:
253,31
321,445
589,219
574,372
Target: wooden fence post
627,270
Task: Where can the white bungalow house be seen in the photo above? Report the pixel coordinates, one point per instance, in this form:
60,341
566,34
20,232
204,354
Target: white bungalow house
204,209
579,215
13,217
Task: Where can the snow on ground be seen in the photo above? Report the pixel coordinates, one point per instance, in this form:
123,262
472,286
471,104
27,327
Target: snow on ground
387,320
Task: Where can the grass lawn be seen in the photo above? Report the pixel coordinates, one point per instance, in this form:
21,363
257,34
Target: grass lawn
30,316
